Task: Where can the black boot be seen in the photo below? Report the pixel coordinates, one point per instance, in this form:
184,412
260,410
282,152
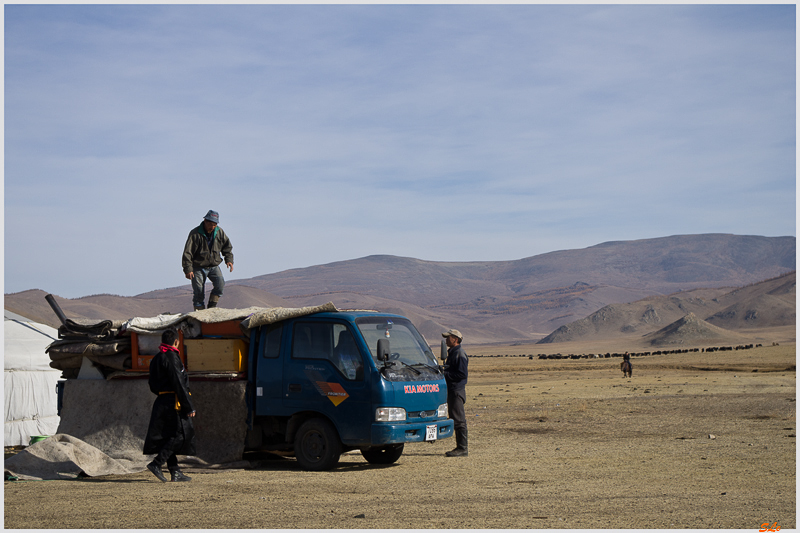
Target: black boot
177,475
213,300
461,444
156,470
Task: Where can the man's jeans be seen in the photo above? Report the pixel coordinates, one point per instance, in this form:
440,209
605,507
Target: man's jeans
199,284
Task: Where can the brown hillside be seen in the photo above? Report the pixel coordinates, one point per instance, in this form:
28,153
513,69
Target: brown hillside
637,318
691,331
650,266
502,301
771,303
767,304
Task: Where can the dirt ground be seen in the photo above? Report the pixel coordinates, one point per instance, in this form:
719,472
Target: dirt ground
699,440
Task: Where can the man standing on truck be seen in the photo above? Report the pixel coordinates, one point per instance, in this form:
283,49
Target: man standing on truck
171,431
201,259
455,375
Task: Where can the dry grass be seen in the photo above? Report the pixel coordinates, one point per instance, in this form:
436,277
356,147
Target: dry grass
553,444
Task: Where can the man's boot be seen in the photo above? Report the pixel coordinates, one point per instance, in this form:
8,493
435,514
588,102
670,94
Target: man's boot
461,444
177,475
213,300
156,470
200,308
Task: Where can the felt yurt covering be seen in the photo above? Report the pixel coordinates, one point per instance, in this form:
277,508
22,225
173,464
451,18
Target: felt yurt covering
29,381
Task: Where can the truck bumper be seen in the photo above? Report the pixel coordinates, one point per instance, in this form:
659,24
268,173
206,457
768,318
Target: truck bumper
387,433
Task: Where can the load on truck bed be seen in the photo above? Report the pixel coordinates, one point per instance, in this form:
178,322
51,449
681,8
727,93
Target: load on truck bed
317,381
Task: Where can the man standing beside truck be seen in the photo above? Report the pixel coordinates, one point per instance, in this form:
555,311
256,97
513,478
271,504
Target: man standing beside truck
455,375
201,259
170,431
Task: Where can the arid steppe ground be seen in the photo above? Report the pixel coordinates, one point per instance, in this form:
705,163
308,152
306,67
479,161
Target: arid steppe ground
697,440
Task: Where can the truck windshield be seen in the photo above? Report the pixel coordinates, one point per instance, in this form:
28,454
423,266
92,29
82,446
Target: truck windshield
410,357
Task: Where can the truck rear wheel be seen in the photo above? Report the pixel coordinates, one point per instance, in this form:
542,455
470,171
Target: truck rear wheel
317,445
384,455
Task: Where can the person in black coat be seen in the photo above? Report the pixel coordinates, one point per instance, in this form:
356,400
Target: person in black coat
455,375
171,431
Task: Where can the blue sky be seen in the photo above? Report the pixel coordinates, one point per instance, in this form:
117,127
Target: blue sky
325,133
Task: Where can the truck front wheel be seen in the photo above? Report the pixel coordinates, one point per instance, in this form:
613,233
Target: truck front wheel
317,445
384,455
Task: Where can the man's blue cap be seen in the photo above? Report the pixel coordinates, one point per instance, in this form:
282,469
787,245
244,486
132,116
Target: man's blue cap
212,216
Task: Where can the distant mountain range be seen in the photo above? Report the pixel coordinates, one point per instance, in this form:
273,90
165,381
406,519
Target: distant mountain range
489,301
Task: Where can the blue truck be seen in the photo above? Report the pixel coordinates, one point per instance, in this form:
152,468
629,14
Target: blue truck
331,382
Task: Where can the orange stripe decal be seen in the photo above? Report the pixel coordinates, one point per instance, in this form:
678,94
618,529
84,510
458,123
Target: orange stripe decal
334,391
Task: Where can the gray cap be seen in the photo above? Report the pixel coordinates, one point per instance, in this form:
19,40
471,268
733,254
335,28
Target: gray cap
454,333
212,216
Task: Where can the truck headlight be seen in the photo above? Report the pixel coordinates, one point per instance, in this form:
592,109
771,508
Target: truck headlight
442,411
390,414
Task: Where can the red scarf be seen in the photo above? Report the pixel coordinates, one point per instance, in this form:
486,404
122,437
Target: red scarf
167,348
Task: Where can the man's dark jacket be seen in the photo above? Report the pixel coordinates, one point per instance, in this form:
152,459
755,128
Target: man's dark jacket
196,252
455,368
168,376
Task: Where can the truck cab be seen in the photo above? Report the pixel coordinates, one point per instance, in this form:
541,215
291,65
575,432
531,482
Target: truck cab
331,382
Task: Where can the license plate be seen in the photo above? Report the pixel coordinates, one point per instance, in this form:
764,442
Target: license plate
430,432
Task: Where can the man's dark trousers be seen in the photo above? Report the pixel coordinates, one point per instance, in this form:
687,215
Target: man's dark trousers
455,403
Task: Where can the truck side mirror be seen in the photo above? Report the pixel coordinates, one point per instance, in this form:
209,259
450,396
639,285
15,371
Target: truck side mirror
383,349
443,352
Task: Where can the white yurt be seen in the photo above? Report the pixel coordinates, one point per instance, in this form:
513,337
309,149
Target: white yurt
29,382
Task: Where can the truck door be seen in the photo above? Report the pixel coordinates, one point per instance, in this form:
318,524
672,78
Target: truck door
269,371
325,373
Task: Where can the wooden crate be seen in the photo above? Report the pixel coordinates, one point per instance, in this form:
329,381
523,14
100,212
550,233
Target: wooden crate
229,328
141,363
216,355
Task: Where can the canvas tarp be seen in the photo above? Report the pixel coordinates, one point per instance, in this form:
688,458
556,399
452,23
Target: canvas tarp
64,457
275,314
29,384
251,317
